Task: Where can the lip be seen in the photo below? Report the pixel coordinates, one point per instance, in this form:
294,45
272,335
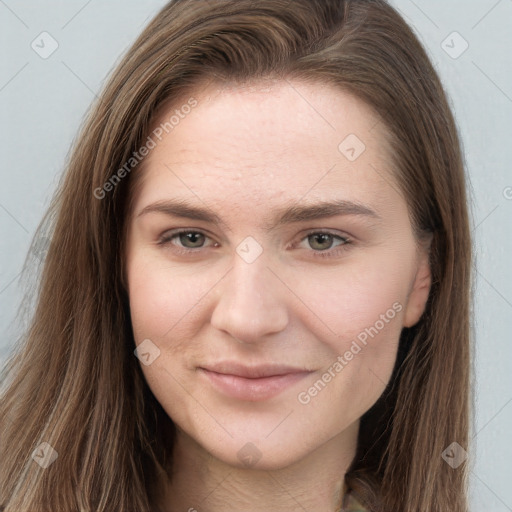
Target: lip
254,383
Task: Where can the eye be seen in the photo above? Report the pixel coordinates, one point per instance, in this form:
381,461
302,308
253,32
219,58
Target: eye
325,244
322,243
188,240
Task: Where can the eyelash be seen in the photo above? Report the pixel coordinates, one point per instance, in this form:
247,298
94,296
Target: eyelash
166,240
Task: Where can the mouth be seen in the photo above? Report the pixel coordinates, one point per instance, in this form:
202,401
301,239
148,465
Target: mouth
254,383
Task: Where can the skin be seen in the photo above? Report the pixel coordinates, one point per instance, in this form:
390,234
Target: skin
245,153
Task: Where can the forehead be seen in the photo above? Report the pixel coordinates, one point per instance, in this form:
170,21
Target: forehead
267,142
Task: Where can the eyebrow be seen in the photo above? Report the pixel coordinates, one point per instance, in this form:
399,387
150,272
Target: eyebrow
285,215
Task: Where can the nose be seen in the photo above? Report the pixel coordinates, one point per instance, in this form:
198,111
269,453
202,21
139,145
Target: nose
251,302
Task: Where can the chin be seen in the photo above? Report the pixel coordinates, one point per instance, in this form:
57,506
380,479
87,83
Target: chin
260,456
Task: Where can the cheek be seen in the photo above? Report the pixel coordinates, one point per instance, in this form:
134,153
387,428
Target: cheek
347,300
162,298
164,303
356,311
360,332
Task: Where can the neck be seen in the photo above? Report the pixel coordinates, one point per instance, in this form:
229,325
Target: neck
201,482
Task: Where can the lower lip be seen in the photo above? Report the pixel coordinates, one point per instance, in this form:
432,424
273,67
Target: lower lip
252,389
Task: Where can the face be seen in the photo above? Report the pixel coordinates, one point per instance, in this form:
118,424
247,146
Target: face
271,265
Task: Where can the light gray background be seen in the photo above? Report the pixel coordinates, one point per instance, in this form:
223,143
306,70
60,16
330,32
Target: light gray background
43,102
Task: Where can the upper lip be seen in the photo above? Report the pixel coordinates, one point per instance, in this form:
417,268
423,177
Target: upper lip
252,372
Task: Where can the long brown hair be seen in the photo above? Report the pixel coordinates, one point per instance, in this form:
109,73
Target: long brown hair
75,383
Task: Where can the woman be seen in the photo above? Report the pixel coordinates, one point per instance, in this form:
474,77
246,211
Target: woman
256,292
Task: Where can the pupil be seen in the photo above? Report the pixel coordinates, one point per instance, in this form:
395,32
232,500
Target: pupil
192,238
323,238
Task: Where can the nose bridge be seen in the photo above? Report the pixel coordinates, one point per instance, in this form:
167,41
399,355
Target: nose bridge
250,303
